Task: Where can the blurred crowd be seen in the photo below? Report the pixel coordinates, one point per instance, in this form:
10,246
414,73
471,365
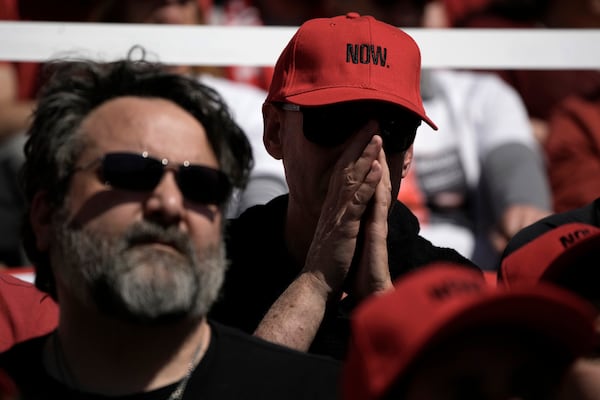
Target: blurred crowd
519,147
481,285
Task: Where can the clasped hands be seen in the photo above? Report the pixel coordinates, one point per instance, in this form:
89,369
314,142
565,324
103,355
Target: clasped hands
358,200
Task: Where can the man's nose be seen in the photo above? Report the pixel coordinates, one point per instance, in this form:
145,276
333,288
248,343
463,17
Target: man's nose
166,203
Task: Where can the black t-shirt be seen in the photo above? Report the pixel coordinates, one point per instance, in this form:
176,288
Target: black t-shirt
589,214
261,269
235,366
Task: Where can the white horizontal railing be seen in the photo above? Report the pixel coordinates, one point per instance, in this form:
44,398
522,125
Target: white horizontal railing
260,46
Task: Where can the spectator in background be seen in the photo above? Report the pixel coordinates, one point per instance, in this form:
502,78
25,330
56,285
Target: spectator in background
19,83
541,90
11,202
265,12
125,230
16,103
567,256
267,179
588,214
444,334
481,178
344,130
561,249
280,12
25,312
573,152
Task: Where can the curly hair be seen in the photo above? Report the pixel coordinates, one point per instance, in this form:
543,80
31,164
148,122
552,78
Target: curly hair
73,89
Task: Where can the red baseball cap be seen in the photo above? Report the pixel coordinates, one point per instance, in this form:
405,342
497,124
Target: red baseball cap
391,331
349,58
551,255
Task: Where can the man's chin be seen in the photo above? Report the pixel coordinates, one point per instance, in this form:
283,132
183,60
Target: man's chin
147,301
156,286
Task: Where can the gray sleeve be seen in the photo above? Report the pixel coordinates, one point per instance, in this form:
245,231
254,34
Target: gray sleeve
515,174
260,190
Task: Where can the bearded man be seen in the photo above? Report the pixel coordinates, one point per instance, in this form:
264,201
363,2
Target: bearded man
128,170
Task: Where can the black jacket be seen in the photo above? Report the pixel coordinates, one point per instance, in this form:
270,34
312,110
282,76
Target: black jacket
261,269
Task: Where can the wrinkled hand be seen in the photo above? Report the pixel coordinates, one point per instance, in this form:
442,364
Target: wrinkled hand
581,381
355,179
514,219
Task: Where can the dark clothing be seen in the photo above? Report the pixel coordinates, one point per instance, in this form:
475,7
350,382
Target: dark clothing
235,366
261,269
589,214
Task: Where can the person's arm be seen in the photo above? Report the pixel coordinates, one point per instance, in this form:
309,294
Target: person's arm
293,320
14,114
573,151
517,181
581,380
261,189
512,166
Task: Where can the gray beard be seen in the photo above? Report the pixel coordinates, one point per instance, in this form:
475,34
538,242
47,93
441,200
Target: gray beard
129,280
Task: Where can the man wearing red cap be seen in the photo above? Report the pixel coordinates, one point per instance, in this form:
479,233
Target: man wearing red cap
463,339
588,214
342,112
566,256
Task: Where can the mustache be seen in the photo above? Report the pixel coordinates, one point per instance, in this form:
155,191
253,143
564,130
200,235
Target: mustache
148,232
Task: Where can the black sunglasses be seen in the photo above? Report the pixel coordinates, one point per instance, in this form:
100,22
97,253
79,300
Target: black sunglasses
331,125
142,173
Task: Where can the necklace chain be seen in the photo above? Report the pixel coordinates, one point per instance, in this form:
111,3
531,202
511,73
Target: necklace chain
177,394
67,375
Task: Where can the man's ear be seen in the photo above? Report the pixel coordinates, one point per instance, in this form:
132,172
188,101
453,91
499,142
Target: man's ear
408,158
40,217
273,117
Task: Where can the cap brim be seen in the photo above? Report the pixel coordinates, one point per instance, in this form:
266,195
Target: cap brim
574,258
549,310
322,97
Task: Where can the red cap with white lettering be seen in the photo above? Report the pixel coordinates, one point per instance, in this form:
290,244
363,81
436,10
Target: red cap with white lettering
553,255
441,301
349,58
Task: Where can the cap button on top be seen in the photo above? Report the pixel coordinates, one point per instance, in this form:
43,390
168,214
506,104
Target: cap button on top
352,15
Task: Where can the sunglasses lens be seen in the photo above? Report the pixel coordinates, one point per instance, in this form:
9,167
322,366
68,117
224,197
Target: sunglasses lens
131,171
396,138
197,183
330,126
203,184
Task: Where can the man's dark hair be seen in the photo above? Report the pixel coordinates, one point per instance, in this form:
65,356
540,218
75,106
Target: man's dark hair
73,89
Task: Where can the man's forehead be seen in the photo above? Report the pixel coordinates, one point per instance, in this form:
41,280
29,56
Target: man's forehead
134,109
154,125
